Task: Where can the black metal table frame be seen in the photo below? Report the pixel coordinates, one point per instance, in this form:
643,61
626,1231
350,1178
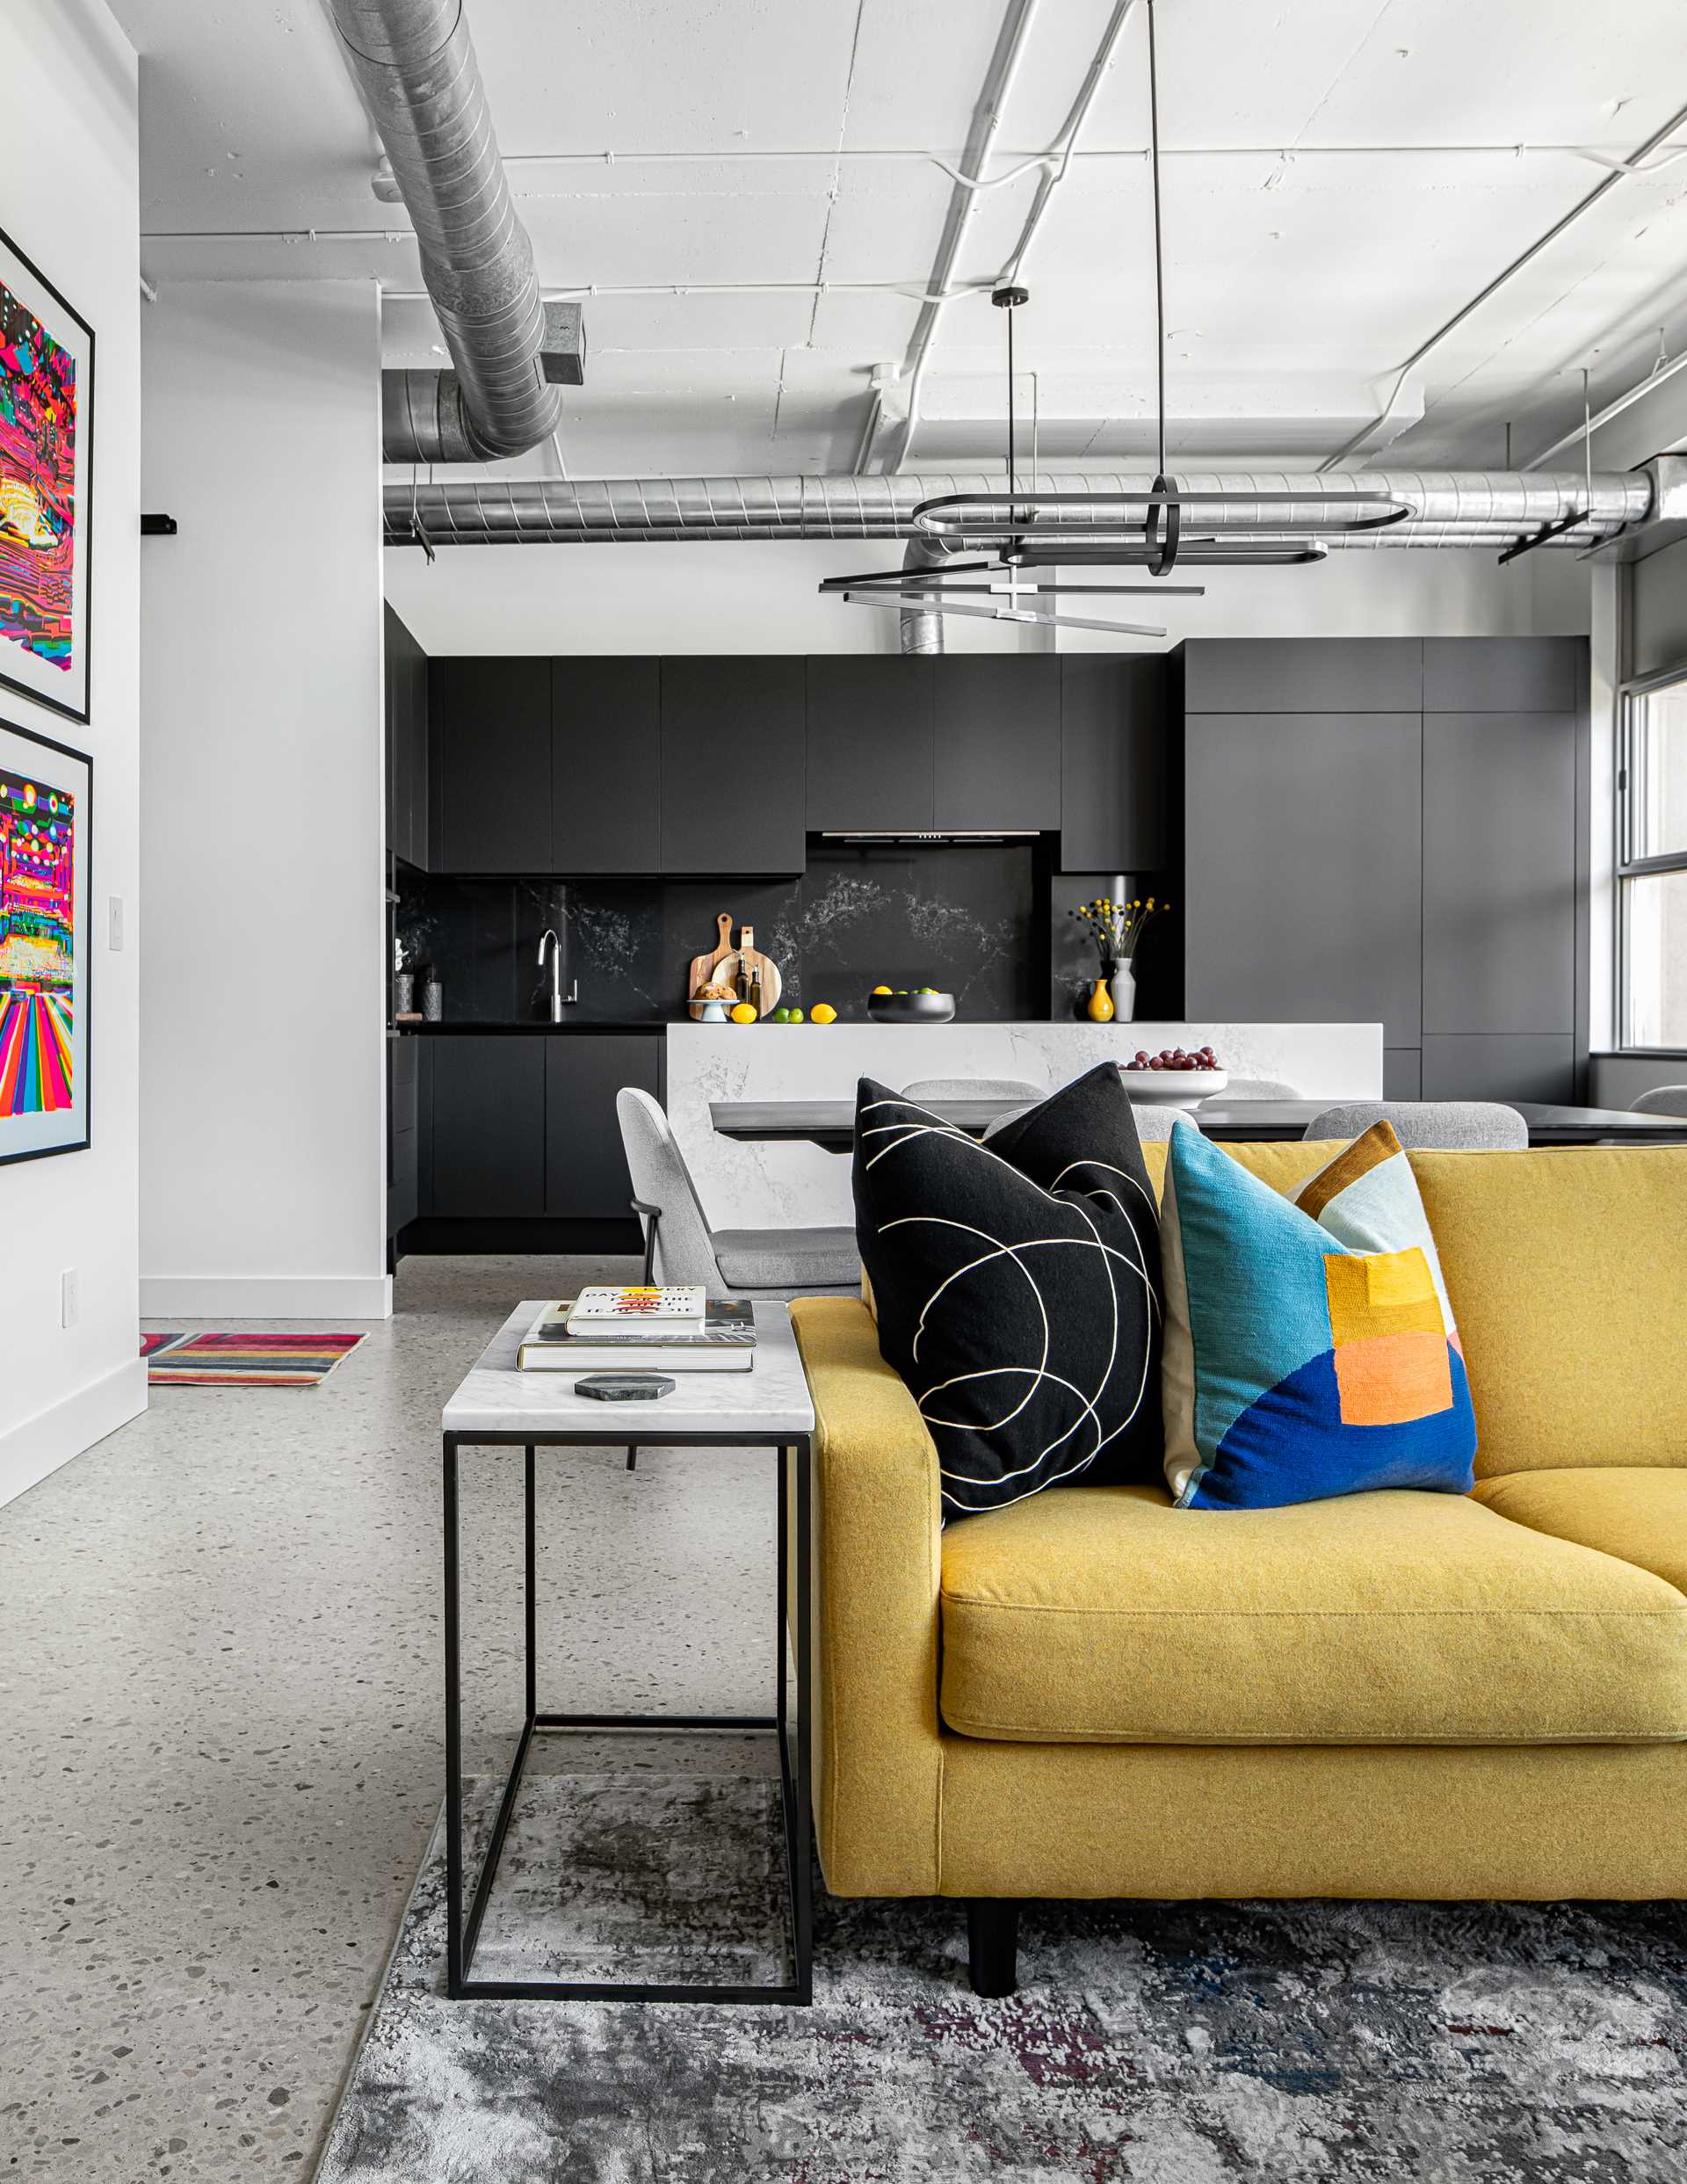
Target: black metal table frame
463,1933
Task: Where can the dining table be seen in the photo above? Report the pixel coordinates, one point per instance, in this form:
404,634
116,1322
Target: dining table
830,1123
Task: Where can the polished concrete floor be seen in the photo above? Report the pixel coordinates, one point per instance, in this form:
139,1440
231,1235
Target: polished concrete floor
221,1719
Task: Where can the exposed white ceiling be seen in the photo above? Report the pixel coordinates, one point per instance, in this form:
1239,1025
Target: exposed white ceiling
1342,177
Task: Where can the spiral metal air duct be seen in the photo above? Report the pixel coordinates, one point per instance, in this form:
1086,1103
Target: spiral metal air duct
416,62
1448,508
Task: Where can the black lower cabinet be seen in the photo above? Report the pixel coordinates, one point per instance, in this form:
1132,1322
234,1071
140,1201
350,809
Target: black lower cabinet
516,1146
488,1127
585,1168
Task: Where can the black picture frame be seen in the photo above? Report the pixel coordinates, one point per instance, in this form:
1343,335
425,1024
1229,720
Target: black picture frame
68,757
75,707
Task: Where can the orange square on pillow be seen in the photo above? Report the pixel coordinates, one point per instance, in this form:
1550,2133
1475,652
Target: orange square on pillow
1389,1337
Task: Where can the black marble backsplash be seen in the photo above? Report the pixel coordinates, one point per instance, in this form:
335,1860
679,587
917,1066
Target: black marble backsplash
970,919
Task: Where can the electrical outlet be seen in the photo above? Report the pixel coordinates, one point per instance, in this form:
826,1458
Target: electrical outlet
70,1297
114,923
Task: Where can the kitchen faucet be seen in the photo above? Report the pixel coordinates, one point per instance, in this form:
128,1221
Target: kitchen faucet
559,1000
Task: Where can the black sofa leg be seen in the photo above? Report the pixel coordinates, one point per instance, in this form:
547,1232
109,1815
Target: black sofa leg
993,1945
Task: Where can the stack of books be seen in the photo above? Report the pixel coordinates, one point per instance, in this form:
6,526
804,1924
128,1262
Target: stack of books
674,1330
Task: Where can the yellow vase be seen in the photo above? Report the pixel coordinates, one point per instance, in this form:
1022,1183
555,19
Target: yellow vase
1099,1006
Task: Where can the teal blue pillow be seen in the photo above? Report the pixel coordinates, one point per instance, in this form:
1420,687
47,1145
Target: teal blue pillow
1310,1349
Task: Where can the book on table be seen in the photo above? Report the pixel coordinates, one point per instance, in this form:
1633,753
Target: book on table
634,1308
721,1340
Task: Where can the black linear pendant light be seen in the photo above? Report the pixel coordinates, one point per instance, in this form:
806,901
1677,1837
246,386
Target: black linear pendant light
1156,530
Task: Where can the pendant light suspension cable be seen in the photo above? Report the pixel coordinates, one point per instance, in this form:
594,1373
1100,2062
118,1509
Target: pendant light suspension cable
1159,265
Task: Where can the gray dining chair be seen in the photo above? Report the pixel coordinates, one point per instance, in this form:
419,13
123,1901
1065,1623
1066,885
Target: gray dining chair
680,1246
974,1088
1253,1088
1441,1125
1663,1099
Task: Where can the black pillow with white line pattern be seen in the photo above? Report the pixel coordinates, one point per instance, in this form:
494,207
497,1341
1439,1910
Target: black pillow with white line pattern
1017,1287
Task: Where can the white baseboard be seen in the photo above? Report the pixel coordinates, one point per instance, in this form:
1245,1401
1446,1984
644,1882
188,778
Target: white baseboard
266,1296
29,1452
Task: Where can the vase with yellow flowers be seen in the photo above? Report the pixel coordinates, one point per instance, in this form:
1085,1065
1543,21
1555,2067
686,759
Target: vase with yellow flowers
1116,926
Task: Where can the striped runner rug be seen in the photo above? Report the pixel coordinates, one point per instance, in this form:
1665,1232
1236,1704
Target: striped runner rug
247,1360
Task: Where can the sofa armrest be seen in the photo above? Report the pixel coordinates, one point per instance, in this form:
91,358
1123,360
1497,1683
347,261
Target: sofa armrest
877,1742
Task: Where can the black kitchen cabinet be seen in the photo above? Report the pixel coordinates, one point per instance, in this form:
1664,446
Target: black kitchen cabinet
488,1106
407,744
731,793
870,740
1303,878
1505,674
1499,1066
997,758
1114,763
402,1163
585,1169
489,736
605,762
1304,674
1499,854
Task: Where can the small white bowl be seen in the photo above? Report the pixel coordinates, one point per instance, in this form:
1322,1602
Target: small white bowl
1175,1088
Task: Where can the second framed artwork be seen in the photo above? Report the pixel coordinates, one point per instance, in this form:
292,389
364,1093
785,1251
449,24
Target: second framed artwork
47,438
45,811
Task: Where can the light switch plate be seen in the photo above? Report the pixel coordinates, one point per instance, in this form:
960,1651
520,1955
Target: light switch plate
70,1297
114,923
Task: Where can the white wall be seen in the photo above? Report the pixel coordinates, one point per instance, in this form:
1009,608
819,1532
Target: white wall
264,1055
69,197
747,597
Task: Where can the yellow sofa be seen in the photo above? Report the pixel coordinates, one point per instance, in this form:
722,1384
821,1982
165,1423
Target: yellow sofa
1091,1693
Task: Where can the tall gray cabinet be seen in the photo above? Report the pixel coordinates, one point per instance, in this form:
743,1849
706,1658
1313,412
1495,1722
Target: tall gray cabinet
1393,828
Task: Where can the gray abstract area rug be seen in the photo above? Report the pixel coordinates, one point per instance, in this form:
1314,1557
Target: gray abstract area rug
1171,2044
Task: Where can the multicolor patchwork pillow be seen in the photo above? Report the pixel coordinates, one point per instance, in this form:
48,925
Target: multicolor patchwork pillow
1310,1349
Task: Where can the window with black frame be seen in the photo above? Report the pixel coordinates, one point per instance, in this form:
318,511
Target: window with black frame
1652,874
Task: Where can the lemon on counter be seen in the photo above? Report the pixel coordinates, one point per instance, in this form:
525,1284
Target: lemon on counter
745,1013
881,989
822,1012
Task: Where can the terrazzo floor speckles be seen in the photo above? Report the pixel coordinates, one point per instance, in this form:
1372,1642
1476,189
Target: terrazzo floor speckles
220,1674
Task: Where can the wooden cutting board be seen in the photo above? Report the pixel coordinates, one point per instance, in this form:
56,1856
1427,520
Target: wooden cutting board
702,970
727,964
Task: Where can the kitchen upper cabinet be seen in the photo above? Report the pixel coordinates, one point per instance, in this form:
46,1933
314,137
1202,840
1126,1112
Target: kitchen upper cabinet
585,1167
1303,674
489,732
1113,759
488,1107
1499,858
997,760
605,765
731,793
1303,869
407,744
869,731
1505,674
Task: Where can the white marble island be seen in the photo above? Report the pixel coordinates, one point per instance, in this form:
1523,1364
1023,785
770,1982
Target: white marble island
784,1185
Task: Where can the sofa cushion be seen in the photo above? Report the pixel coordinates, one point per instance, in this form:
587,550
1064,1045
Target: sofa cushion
1016,1287
1103,1614
1639,1515
1567,1270
1310,1350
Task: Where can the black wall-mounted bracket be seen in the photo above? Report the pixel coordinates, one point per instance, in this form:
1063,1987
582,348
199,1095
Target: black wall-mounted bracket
154,525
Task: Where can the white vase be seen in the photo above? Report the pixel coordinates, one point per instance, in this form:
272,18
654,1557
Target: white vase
1122,986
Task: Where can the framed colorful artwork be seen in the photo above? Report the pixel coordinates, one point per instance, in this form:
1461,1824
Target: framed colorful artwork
45,795
46,485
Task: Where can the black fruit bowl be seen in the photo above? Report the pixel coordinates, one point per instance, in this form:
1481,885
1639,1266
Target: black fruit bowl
910,1008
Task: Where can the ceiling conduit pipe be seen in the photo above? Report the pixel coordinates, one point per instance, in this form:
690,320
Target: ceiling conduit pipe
1462,508
416,63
